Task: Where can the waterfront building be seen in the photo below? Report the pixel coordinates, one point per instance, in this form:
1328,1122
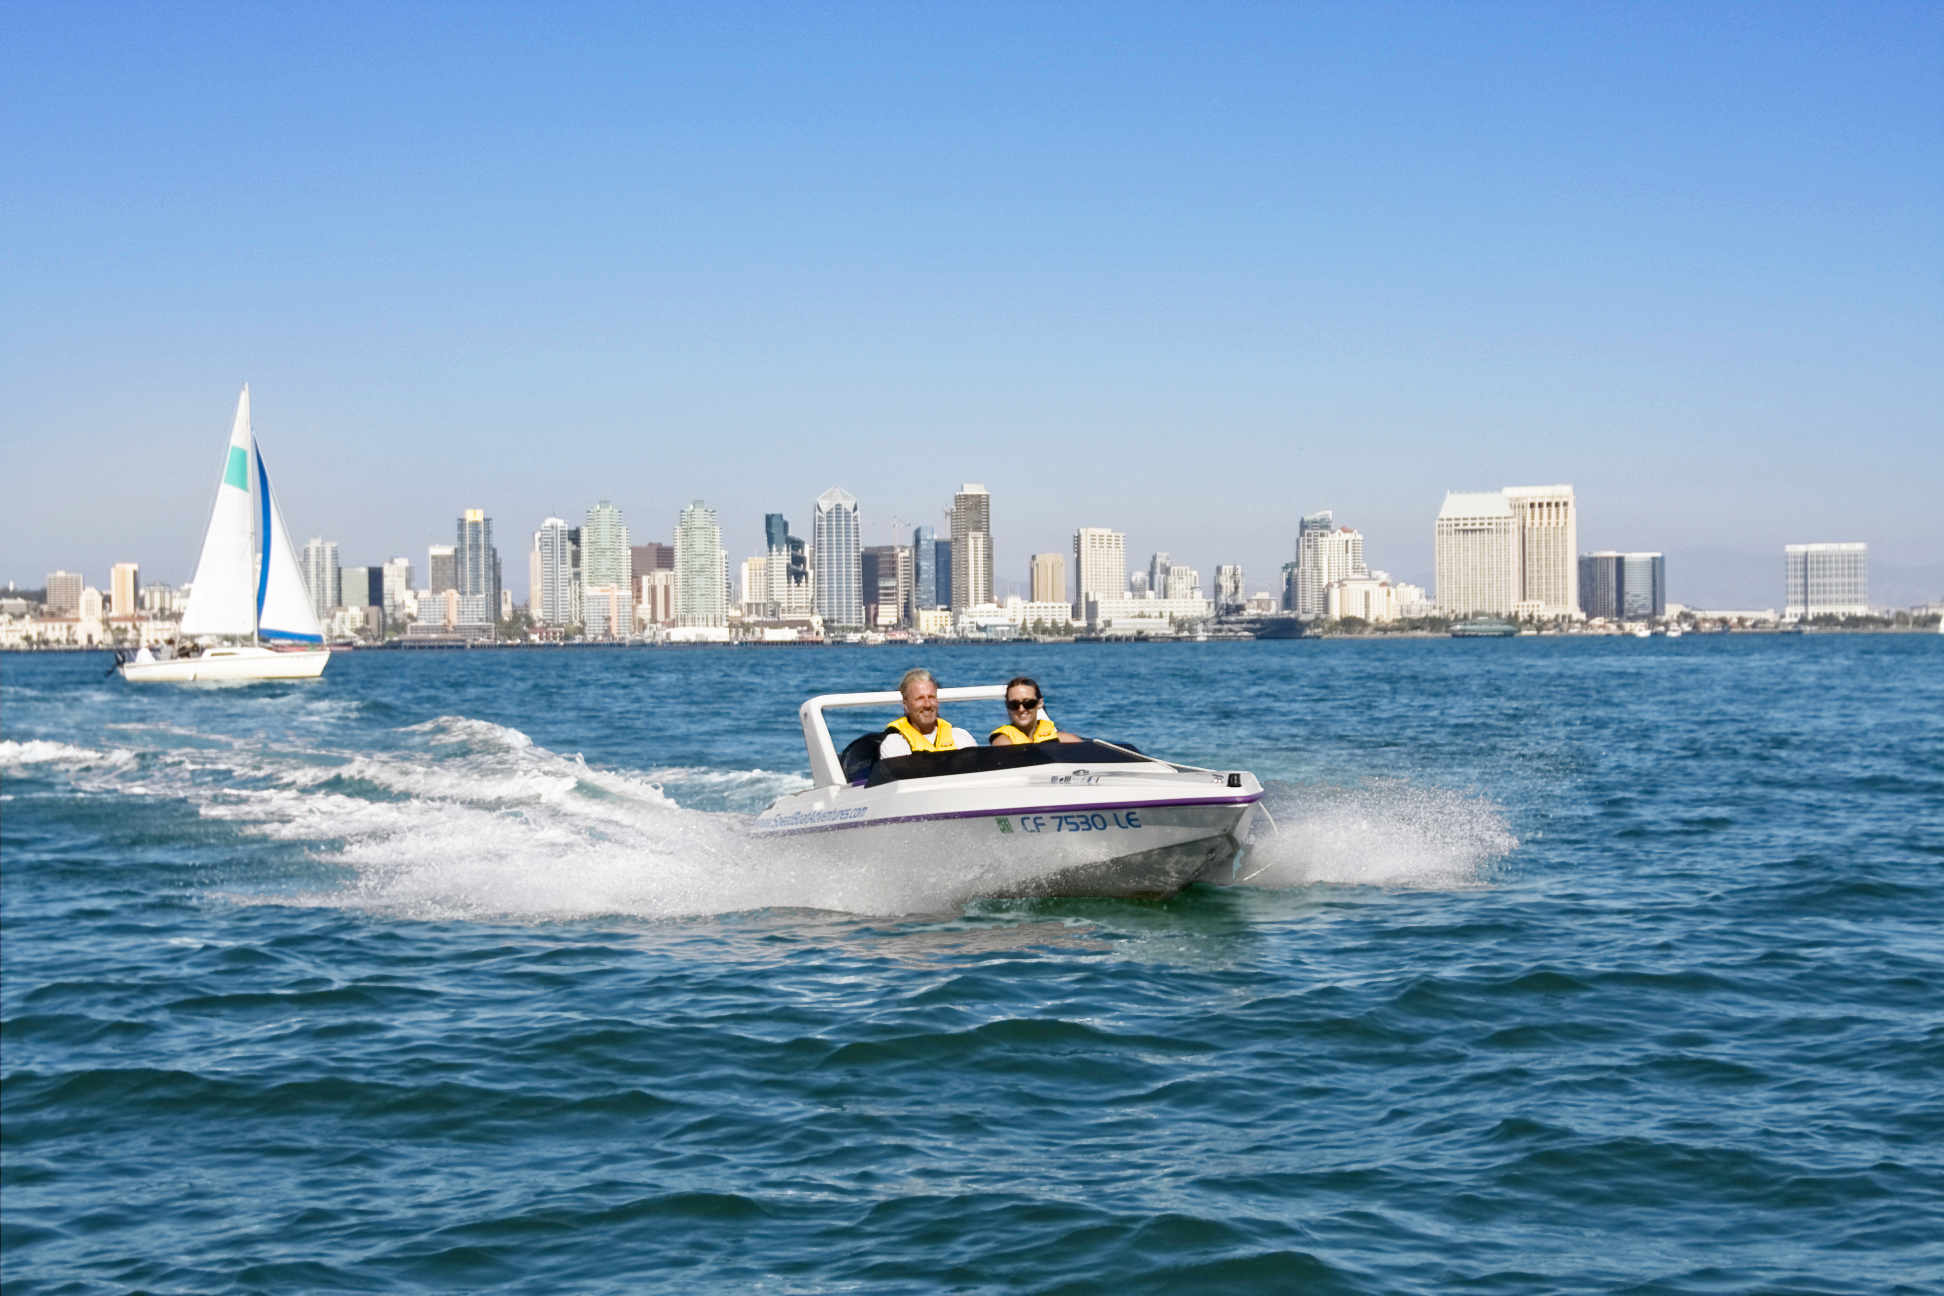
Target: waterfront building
607,611
701,569
942,564
1325,552
837,537
318,563
1477,554
63,594
555,548
1367,597
1137,584
1623,586
124,589
475,570
1182,583
1126,614
1825,580
534,583
786,571
1099,567
605,556
1548,549
1228,589
924,566
754,603
655,597
1160,567
400,601
971,547
361,587
886,581
440,569
1048,584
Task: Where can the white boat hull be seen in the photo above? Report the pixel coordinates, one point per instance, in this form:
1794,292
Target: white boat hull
229,665
1136,831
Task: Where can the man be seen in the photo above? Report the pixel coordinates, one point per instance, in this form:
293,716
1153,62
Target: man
1024,723
920,729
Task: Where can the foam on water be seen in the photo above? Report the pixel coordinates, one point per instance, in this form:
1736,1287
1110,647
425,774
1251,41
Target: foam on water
474,820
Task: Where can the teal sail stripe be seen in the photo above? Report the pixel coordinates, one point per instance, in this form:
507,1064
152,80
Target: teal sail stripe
237,472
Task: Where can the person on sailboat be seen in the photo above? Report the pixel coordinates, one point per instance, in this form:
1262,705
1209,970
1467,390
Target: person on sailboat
1024,721
920,728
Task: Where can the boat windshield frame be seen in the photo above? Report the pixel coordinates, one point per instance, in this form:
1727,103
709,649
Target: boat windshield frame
984,760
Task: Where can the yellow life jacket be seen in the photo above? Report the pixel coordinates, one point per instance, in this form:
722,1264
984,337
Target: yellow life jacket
1043,731
940,739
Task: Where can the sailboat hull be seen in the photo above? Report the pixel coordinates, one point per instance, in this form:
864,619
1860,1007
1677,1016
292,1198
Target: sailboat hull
229,665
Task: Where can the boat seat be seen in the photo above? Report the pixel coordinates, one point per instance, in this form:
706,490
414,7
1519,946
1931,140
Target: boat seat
858,759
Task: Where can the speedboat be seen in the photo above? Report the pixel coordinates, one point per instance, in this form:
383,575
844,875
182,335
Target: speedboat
1089,818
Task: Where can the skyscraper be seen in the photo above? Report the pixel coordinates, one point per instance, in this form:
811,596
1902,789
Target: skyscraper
319,564
886,584
1548,549
555,547
398,584
1623,586
1324,553
837,535
1157,573
701,569
124,589
971,547
924,566
476,570
1509,552
606,561
1228,589
942,570
786,569
651,557
1824,580
1048,584
1099,567
440,572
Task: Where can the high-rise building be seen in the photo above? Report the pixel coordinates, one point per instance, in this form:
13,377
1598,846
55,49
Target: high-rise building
755,588
64,593
1048,583
1508,552
607,611
650,557
1623,586
1099,567
1825,580
1548,549
786,570
398,589
124,589
319,564
837,535
476,569
1159,567
553,545
971,547
656,596
605,557
361,587
942,567
924,566
1228,589
701,569
1324,553
441,570
887,583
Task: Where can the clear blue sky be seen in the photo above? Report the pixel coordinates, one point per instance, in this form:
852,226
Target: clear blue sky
1187,271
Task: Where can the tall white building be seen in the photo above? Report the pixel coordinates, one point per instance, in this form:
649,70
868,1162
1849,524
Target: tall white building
553,545
755,588
319,564
1099,567
1183,583
605,559
1325,554
399,598
1509,552
701,569
1228,588
837,546
476,569
1160,567
1548,549
971,547
1826,580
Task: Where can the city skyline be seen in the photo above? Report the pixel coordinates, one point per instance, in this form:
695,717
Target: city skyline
1354,260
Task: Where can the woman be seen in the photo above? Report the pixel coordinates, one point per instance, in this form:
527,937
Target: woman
1024,723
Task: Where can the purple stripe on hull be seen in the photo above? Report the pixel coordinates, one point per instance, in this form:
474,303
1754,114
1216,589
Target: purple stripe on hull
1094,807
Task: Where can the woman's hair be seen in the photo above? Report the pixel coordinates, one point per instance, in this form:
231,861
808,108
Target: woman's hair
1029,682
916,675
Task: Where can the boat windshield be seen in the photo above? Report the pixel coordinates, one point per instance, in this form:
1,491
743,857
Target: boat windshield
980,760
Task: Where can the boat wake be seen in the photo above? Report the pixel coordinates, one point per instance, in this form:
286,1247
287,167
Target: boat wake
469,820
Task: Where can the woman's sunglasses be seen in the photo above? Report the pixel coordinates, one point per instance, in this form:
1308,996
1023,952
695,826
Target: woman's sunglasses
1022,704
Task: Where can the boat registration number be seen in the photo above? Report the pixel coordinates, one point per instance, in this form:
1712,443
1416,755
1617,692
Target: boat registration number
1062,823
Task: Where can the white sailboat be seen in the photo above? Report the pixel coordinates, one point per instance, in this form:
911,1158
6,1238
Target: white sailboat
247,586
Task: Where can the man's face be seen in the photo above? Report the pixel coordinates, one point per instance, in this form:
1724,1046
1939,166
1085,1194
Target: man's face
921,705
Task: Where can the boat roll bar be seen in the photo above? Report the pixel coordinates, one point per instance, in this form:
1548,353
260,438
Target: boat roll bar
825,769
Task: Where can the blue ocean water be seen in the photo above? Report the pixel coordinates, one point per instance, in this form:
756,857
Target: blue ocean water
1574,966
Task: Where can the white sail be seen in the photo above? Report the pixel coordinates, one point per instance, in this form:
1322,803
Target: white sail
283,608
222,601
